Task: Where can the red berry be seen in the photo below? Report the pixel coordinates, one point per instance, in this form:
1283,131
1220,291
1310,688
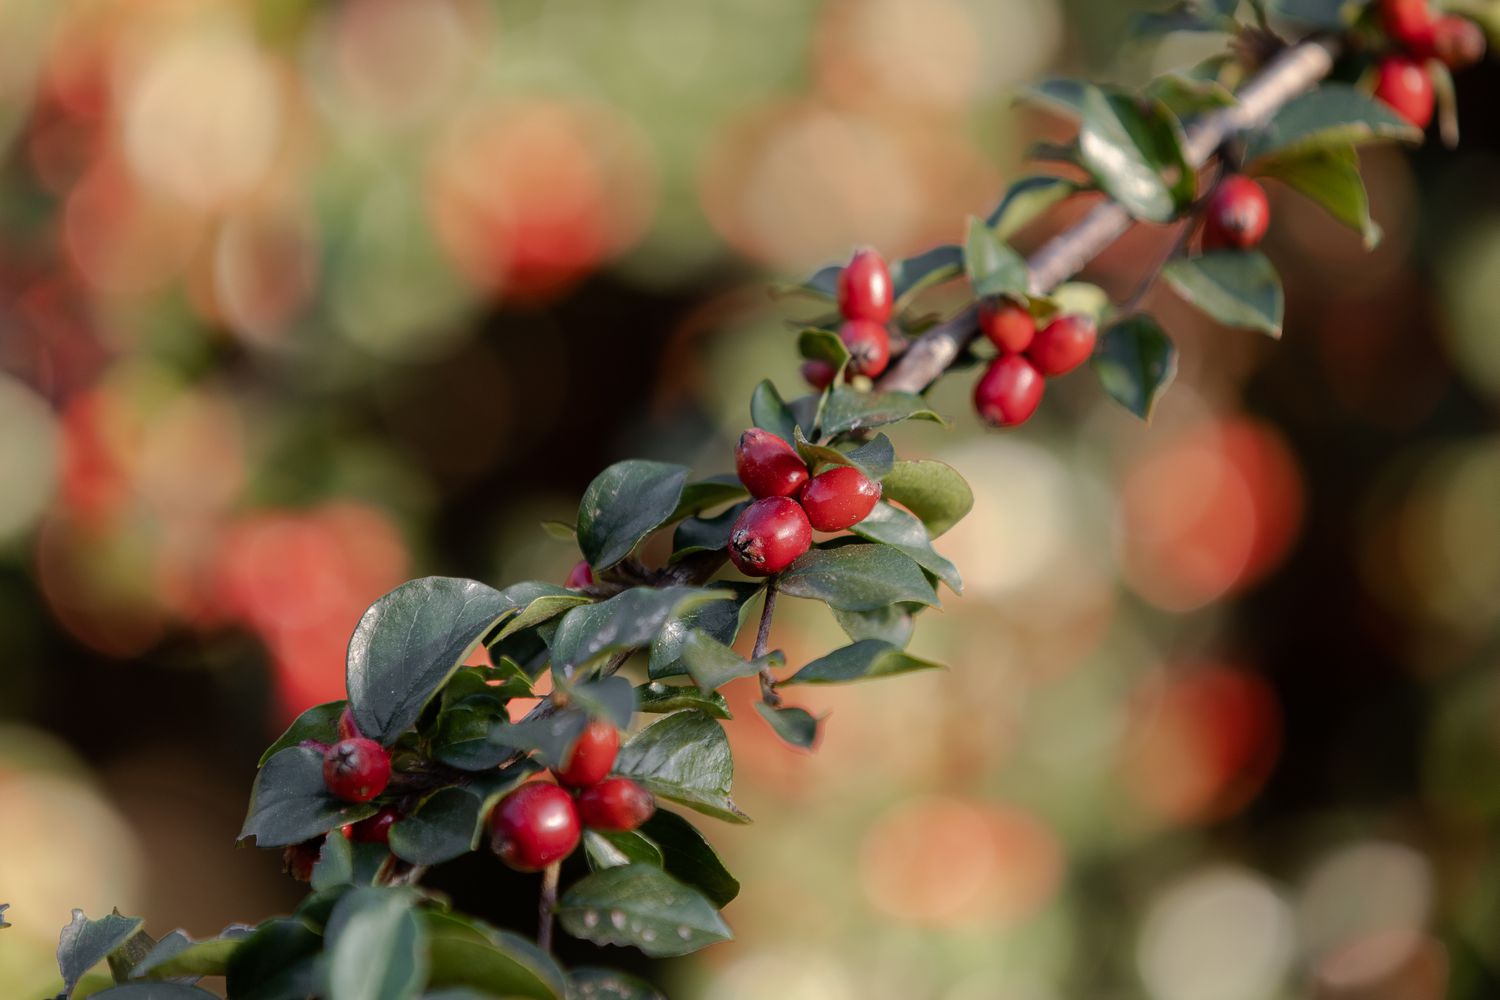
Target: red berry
819,374
580,576
1403,83
298,860
617,804
348,728
1237,214
534,826
769,536
1063,344
374,829
1458,42
1009,325
1009,391
593,755
869,346
768,466
1409,23
356,769
839,498
865,288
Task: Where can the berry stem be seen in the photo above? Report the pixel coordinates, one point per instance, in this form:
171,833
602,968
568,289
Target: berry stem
547,904
762,639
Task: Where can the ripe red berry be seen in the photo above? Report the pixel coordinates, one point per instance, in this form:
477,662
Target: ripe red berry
1008,325
534,826
348,728
1063,344
1458,41
819,374
1237,214
869,346
1009,391
374,829
769,536
1403,83
768,466
839,498
580,576
1409,23
592,756
865,290
617,804
356,769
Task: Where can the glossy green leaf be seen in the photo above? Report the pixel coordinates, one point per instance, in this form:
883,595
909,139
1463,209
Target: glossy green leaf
857,577
532,602
933,491
892,624
684,757
657,698
319,723
933,267
550,737
688,857
874,458
289,802
1064,97
1025,200
895,527
1188,93
1333,116
848,410
796,726
992,266
706,534
1135,362
461,737
445,826
711,664
769,411
706,494
609,698
178,956
468,952
376,947
344,862
823,345
276,962
409,643
1135,153
1236,287
1331,178
642,906
721,619
612,848
624,504
607,984
84,943
868,659
629,620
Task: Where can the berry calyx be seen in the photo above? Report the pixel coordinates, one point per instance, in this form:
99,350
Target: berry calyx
865,290
1063,344
1409,23
534,826
819,374
348,728
1237,214
592,756
768,466
1008,325
839,498
869,346
1402,82
1009,391
769,536
1457,41
356,769
580,576
617,804
374,829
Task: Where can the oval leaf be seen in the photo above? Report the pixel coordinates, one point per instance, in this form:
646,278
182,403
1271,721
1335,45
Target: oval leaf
607,984
857,577
376,948
643,906
684,757
935,266
467,952
84,943
688,857
1135,362
289,802
624,504
1135,153
629,620
1331,178
1334,115
319,723
1236,287
993,268
900,530
1025,200
796,726
933,491
848,410
657,698
867,659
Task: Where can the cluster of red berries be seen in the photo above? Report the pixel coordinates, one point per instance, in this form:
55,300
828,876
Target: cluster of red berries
1010,390
1402,79
866,299
790,503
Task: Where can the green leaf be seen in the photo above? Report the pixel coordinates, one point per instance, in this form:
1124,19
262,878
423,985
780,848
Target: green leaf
712,664
720,619
848,410
933,491
874,458
531,603
461,737
1330,14
607,984
468,952
155,991
629,620
993,267
376,947
551,737
178,956
275,962
1331,178
342,862
705,534
935,266
688,857
769,411
1135,362
1064,97
1186,16
624,504
560,530
867,659
823,345
892,624
1080,297
857,577
319,723
84,943
708,493
656,698
1236,287
1025,200
1189,93
609,698
643,906
796,726
1135,153
611,848
1333,116
409,643
900,530
445,826
684,757
289,802
125,957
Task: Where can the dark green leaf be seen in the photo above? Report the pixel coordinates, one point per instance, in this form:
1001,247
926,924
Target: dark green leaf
84,943
550,737
874,458
867,659
708,493
1329,14
993,267
1331,178
609,698
513,681
720,619
607,984
935,266
712,664
276,962
823,345
319,723
289,802
1025,200
445,826
1135,362
898,529
610,849
376,947
933,491
684,757
624,504
891,624
531,603
705,534
770,413
857,577
408,644
1065,97
1236,287
796,726
343,862
155,991
1333,116
1186,16
1188,93
825,280
688,857
848,410
125,957
643,906
657,698
178,956
461,737
467,952
629,620
1135,153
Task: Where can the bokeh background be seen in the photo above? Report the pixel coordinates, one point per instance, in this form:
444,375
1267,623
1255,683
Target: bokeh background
300,299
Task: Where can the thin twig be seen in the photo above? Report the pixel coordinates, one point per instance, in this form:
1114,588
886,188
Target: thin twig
547,905
762,639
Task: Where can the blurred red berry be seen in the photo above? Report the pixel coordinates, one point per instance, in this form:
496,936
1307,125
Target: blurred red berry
1409,23
1237,214
534,826
1458,42
1008,325
839,498
298,860
374,829
617,804
580,576
592,756
865,290
1009,391
1403,83
869,346
768,466
819,374
1063,344
769,536
356,769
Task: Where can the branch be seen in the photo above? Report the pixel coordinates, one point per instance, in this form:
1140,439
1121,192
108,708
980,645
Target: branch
1293,71
547,905
762,639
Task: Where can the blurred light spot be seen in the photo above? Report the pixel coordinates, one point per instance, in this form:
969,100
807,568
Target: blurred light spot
191,462
1359,890
122,241
265,268
918,54
1399,964
1220,934
790,974
29,455
400,60
97,581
